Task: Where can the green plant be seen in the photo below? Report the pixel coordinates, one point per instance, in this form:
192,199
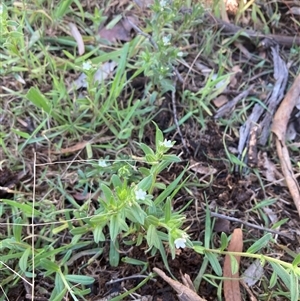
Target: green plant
160,54
130,209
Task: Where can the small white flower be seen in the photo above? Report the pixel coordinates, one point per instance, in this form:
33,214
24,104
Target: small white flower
163,3
102,163
180,243
180,54
166,40
140,194
167,143
86,65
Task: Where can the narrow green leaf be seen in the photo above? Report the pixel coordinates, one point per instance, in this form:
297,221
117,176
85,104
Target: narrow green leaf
201,272
107,192
171,158
273,280
134,261
136,213
114,227
122,223
114,256
27,209
168,210
282,273
21,134
146,149
164,257
213,260
116,181
294,287
159,137
38,99
280,223
296,261
153,220
120,76
113,22
224,241
59,283
207,235
146,183
200,249
131,291
62,8
60,228
49,265
259,244
24,260
68,55
233,264
79,230
98,234
85,280
58,295
17,229
66,257
151,159
152,237
171,187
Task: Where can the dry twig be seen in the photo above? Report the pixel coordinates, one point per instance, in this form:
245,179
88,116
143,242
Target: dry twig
184,293
266,39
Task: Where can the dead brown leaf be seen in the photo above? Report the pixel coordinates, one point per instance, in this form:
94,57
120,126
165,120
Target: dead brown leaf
200,168
231,283
120,32
79,146
231,6
269,169
279,128
222,225
220,101
235,77
78,38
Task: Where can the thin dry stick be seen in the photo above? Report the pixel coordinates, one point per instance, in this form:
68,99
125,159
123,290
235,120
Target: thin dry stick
233,219
32,225
233,29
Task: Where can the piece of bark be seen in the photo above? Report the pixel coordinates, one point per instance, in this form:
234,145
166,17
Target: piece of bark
184,293
272,101
231,282
228,107
281,76
279,127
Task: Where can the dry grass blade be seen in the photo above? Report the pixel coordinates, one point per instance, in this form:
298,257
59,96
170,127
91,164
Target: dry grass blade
231,283
77,36
279,128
